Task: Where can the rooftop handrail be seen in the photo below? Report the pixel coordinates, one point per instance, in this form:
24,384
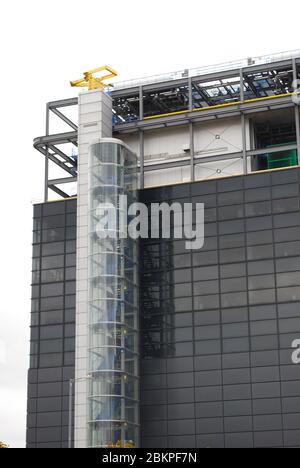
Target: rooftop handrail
208,69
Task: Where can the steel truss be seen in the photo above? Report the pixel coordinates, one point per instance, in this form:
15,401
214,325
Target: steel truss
185,101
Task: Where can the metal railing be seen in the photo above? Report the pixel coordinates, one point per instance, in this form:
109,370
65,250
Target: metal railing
208,69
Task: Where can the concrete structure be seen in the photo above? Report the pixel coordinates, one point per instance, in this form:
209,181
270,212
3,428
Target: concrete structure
217,325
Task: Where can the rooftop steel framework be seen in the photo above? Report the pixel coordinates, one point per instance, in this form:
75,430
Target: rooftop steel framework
183,98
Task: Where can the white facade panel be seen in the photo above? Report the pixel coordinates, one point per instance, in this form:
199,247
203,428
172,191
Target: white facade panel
211,138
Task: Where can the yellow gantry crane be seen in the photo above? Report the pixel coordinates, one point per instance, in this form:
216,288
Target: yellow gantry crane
92,82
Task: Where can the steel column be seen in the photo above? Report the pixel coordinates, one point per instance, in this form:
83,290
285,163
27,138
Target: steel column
192,151
71,384
142,159
190,86
46,157
141,102
297,122
242,94
191,130
297,118
243,123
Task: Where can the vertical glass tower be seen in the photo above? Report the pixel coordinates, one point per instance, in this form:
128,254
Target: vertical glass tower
113,399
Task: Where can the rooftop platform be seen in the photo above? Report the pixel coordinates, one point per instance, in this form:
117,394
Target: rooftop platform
186,97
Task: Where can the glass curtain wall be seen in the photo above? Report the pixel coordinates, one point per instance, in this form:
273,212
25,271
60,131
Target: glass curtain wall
113,401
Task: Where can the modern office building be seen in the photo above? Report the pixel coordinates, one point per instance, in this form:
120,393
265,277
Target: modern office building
164,347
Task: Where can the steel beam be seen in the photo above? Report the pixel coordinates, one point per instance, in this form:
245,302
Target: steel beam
62,155
59,192
52,158
163,85
64,118
63,103
268,66
185,117
271,150
66,180
56,139
197,160
203,77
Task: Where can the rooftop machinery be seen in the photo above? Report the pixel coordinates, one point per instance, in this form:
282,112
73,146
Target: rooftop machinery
92,82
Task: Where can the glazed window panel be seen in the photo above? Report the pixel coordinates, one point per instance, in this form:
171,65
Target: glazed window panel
52,262
182,261
236,345
233,255
260,252
234,299
205,258
205,273
235,330
261,282
262,297
53,235
233,270
287,234
55,248
231,212
259,237
206,302
288,279
206,287
233,285
258,209
261,267
207,332
258,194
286,205
287,249
285,191
288,264
288,294
182,290
53,275
230,198
232,241
181,276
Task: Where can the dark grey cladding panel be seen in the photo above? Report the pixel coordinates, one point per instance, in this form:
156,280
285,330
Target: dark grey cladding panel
52,360
217,325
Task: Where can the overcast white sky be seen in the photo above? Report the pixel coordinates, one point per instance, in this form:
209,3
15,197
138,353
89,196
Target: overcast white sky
44,44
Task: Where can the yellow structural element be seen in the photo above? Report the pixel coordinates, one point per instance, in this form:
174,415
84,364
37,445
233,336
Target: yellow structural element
121,444
219,106
92,82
